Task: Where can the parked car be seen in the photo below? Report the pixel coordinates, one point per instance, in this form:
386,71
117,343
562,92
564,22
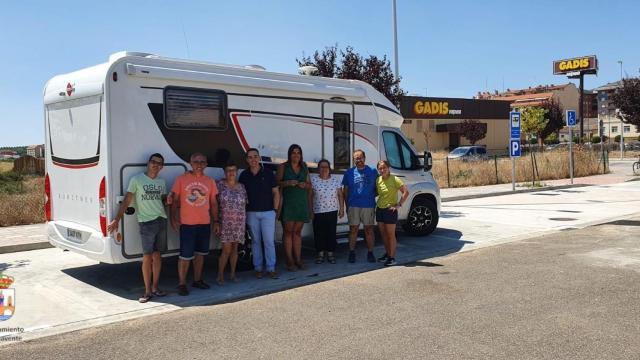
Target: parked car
468,153
635,145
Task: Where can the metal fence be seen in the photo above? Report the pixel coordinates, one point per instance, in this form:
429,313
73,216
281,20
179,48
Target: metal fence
533,166
25,206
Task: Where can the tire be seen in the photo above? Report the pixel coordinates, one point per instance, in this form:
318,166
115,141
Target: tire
422,218
636,168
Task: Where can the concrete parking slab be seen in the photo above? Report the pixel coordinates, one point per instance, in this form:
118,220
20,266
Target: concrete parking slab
61,291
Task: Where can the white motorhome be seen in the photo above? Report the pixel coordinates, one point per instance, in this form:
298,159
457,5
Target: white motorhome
103,122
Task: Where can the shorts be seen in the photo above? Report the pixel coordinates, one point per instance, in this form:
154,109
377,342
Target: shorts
194,240
153,235
386,216
357,216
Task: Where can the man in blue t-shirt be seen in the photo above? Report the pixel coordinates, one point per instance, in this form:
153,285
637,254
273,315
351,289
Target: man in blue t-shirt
359,190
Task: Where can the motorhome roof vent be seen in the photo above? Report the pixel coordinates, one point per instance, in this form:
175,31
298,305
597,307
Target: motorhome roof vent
308,70
255,67
122,54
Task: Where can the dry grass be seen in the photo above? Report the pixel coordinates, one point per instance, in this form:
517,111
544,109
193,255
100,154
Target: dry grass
25,208
551,165
6,166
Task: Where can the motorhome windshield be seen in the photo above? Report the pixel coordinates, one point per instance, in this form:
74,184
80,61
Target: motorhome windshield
74,130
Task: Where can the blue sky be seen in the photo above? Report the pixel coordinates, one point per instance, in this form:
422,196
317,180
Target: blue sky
446,48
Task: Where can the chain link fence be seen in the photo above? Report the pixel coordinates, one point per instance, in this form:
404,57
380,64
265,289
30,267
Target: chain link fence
531,167
24,203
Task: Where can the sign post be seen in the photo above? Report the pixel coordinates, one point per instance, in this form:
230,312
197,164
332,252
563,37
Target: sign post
571,122
514,144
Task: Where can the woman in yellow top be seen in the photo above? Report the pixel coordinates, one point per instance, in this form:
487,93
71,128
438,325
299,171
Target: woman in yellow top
387,206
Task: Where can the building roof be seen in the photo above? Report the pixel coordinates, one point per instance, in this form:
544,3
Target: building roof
610,86
540,89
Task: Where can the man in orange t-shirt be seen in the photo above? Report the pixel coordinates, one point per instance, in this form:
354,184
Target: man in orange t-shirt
195,194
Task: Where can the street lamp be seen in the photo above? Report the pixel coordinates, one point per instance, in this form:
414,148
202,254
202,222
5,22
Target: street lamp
395,40
620,115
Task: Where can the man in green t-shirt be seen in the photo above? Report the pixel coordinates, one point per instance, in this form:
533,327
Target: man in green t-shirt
149,192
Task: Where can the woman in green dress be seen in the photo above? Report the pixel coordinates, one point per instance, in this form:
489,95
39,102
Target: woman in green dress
293,178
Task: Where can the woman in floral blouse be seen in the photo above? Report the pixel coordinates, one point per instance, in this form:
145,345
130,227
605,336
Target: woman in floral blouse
232,198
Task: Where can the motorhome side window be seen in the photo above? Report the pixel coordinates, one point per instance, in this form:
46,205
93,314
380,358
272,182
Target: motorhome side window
399,155
341,141
195,108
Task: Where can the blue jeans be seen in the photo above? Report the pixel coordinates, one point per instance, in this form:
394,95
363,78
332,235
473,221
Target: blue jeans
263,229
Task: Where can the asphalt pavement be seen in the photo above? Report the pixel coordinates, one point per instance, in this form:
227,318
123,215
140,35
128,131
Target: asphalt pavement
568,295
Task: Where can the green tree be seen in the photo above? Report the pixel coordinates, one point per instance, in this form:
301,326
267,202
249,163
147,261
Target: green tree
596,139
555,117
627,99
533,122
373,70
473,130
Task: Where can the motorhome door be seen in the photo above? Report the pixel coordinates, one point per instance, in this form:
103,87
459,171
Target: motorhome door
132,244
337,133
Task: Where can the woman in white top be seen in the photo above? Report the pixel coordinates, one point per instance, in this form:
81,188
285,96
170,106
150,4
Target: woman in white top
327,208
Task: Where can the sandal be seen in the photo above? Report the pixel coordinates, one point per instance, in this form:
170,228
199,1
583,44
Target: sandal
330,258
320,257
301,265
158,293
144,298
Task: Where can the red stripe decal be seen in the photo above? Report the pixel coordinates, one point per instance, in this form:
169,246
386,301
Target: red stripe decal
236,126
83,166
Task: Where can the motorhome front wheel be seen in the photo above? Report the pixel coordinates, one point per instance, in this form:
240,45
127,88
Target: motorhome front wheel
422,218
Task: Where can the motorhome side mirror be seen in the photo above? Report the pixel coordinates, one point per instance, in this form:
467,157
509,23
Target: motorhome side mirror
428,161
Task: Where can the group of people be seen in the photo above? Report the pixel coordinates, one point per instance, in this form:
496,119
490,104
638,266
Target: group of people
256,200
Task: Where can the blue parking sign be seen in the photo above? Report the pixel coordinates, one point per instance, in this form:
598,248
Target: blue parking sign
514,148
571,118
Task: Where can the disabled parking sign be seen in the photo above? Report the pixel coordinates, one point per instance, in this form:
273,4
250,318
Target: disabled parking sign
571,118
514,148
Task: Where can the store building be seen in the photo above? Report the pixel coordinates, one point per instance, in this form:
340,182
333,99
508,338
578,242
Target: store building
434,123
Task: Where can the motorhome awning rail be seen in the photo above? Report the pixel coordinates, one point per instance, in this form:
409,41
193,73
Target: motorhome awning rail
153,72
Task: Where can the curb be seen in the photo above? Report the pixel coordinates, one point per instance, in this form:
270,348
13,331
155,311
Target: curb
511,192
24,247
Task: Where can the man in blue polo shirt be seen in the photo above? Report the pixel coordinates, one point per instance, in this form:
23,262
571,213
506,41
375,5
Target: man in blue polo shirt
264,198
359,190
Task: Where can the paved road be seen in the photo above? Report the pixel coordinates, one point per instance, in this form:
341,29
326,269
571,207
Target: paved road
85,294
570,295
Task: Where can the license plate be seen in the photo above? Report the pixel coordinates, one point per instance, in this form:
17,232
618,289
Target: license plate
74,234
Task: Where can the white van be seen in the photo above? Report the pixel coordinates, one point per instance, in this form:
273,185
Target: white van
103,122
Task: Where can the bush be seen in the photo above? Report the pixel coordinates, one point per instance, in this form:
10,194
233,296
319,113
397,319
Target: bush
617,139
11,183
638,137
595,140
551,139
533,141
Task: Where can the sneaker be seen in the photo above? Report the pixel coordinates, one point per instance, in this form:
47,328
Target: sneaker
258,274
383,258
390,262
200,285
370,257
352,256
273,275
182,290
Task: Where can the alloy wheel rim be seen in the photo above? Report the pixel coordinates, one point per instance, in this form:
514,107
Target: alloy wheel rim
420,217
